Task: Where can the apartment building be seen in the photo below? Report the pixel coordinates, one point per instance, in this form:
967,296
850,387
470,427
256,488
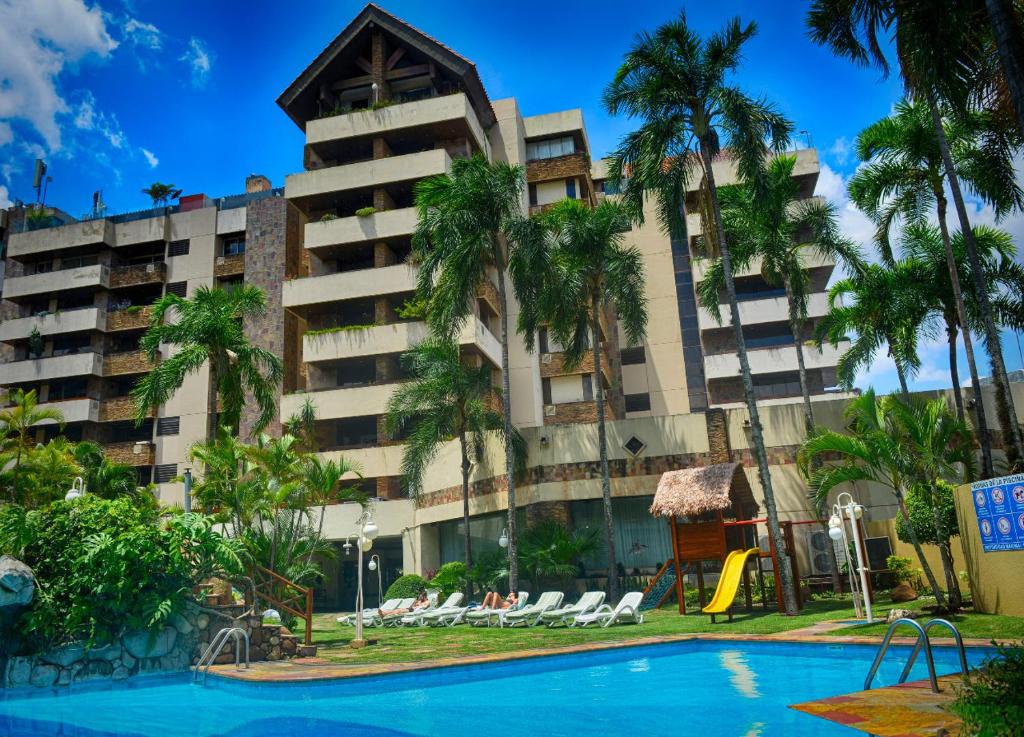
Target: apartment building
381,108
76,300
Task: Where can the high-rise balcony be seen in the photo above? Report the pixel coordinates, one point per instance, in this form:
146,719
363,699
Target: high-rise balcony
352,401
128,362
52,367
72,235
349,285
130,453
137,275
757,311
131,318
119,409
65,321
367,174
52,282
380,226
772,360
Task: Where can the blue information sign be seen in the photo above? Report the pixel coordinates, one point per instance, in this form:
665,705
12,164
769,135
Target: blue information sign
1000,507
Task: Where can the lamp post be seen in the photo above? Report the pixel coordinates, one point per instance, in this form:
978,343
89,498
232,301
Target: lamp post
364,542
374,565
847,509
76,491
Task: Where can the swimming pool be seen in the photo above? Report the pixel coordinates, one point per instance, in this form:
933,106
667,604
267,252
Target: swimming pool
706,688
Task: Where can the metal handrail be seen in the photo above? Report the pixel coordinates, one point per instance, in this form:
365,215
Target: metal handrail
216,645
922,641
917,648
922,637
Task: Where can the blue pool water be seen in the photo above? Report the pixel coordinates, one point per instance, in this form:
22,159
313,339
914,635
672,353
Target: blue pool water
708,689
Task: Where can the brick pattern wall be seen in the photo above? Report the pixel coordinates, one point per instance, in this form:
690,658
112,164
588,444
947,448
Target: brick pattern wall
230,265
128,320
125,454
574,412
132,362
119,408
273,244
132,276
560,167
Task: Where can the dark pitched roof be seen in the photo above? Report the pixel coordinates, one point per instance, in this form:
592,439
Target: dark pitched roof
373,14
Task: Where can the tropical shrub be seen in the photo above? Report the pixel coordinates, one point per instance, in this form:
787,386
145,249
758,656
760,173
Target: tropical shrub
365,212
36,344
922,514
450,577
490,569
989,701
406,586
550,552
108,566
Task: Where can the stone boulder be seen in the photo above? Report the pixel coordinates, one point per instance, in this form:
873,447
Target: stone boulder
17,583
147,645
903,592
44,676
19,671
64,655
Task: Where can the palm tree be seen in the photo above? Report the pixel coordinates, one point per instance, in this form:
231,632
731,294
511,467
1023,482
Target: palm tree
905,179
16,425
161,193
678,85
879,305
207,330
589,271
939,46
109,479
465,220
870,450
937,446
1003,276
446,398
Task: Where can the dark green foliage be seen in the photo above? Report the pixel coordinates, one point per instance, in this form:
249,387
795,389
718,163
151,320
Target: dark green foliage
490,570
450,577
989,701
900,568
104,567
547,551
35,343
922,516
406,586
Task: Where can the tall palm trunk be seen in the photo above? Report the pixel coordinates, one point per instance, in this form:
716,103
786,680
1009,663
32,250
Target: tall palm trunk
901,373
1004,400
796,327
1008,34
965,328
932,582
602,445
464,449
757,434
954,370
506,406
946,555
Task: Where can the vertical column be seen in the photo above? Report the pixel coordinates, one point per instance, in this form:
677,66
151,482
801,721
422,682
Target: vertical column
718,435
378,62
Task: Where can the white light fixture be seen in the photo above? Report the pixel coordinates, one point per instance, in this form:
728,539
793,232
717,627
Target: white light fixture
370,530
347,546
372,565
76,491
844,509
365,544
503,540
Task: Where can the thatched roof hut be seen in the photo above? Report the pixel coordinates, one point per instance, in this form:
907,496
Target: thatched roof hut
692,492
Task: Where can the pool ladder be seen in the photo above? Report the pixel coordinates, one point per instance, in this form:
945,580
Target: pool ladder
922,642
215,647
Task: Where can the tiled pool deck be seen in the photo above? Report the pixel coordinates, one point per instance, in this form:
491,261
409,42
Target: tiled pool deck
910,710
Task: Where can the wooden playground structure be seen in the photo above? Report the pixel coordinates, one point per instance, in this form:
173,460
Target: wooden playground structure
711,513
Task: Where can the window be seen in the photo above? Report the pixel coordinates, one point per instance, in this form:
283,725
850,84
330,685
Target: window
67,389
545,386
165,473
354,432
145,475
550,148
638,402
73,262
542,340
42,267
168,425
570,188
179,288
588,387
177,248
632,356
234,246
533,194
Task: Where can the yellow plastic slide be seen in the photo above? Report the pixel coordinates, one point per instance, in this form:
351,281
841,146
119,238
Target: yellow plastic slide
729,581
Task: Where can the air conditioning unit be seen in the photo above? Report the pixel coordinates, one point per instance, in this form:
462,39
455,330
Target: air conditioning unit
545,358
220,261
150,268
549,410
818,552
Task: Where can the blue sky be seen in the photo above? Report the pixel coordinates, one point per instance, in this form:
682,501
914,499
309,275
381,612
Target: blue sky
117,94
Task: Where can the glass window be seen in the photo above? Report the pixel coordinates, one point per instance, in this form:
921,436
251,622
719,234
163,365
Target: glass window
234,247
570,188
550,148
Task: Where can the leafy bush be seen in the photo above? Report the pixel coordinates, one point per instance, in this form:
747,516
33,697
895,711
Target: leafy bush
365,212
490,569
548,551
328,217
450,577
107,566
36,345
414,308
989,702
405,587
922,514
902,570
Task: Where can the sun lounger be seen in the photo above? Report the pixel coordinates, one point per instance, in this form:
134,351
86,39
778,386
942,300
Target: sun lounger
377,621
590,601
530,615
627,611
481,617
417,618
350,619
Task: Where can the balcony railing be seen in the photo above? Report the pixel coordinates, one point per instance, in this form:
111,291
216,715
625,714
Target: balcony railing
119,409
130,452
128,362
229,265
137,274
131,318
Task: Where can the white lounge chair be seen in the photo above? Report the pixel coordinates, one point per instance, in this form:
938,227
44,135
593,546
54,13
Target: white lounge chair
350,619
395,620
626,611
530,615
589,602
377,621
417,618
481,617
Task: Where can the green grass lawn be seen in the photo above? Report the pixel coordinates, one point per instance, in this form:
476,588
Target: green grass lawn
408,645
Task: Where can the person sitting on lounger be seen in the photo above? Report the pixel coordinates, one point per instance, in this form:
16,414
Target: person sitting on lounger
421,602
493,600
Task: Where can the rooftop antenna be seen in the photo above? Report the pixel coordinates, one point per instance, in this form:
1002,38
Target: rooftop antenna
807,138
98,205
38,176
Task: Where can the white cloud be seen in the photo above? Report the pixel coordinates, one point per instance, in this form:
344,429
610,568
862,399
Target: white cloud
853,223
151,159
88,118
144,35
6,134
200,59
841,150
38,38
5,197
